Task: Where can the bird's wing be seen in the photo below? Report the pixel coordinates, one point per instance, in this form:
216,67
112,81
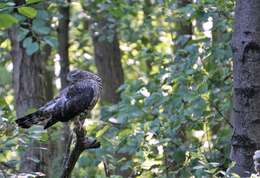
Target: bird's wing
74,101
79,98
45,113
58,99
71,101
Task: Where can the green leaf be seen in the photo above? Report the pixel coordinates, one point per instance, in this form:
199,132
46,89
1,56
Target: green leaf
10,4
2,5
32,48
102,131
7,21
27,11
42,30
42,14
32,1
39,26
179,156
22,34
27,41
5,77
51,41
153,99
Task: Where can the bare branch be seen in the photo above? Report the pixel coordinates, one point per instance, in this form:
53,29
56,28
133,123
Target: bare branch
222,115
106,168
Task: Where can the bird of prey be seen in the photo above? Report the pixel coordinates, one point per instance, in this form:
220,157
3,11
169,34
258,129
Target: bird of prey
79,97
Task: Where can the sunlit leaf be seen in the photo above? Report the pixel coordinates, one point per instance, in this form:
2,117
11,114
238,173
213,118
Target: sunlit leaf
32,1
7,21
102,131
27,11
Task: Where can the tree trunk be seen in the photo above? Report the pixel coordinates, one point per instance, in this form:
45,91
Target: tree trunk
29,89
109,67
183,26
59,151
147,9
217,34
49,95
63,38
108,60
246,85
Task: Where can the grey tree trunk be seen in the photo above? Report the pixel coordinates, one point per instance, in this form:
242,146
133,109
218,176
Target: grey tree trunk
29,89
58,150
183,26
153,39
82,142
246,85
49,95
108,60
63,38
217,36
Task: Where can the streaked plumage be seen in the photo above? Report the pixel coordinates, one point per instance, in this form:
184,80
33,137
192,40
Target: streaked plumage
79,97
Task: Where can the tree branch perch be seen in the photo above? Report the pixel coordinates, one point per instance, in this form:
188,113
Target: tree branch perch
82,143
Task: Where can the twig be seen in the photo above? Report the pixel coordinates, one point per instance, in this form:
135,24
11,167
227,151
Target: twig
82,143
106,168
222,115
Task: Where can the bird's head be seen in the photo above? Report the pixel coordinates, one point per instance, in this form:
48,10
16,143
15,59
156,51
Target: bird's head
78,75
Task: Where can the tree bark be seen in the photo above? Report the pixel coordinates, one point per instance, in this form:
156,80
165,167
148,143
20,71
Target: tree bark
82,143
63,38
183,26
29,90
108,60
217,34
49,95
63,50
246,86
147,9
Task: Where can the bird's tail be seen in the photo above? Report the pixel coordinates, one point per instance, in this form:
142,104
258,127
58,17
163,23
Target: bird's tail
30,119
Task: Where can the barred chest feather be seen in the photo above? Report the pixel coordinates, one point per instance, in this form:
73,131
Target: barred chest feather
97,88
